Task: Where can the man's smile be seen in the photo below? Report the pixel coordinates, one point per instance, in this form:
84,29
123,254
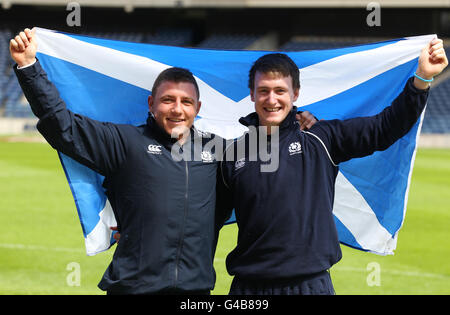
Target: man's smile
175,120
272,109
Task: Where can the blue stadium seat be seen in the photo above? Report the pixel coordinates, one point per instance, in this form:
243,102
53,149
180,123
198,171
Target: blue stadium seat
437,115
122,36
170,37
318,43
228,41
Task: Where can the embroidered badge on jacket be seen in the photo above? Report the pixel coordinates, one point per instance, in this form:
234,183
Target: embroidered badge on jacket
295,148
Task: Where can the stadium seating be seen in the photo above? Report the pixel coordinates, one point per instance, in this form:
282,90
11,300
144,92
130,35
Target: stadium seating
12,102
164,36
170,37
437,115
122,36
228,41
317,43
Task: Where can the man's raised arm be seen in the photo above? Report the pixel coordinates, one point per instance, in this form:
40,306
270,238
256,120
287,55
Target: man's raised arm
358,137
97,145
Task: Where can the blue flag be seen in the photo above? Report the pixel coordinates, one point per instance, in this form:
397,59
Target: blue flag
110,81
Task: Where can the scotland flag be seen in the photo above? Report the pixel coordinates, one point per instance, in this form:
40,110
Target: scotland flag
111,80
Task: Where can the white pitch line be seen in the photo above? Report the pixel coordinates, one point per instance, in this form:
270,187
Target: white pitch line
395,272
383,270
337,268
40,247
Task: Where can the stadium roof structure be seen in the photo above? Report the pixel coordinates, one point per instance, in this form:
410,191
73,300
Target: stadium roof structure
129,5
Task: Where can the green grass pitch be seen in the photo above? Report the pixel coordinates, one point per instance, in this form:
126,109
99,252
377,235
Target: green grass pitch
42,246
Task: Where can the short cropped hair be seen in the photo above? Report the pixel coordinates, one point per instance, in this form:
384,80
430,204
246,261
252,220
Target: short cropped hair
176,75
277,63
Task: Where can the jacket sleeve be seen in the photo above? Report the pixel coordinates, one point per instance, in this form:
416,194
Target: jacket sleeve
362,136
224,198
100,146
224,195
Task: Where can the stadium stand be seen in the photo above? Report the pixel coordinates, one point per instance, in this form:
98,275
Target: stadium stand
170,37
12,102
122,36
228,41
163,36
437,114
316,43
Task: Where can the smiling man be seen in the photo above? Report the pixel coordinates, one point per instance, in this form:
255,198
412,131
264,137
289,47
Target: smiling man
273,89
287,237
175,102
165,209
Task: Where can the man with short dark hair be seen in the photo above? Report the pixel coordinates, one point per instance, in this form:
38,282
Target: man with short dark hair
287,236
165,209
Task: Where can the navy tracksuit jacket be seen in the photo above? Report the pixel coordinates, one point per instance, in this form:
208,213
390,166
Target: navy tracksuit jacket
165,209
286,225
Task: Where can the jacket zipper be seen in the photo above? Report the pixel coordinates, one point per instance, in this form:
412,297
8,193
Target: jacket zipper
180,242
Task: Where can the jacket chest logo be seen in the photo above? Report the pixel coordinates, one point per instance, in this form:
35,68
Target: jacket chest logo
207,157
295,148
239,164
154,149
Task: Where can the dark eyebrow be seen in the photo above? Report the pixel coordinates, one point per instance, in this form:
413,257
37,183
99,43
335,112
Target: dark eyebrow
188,98
166,96
170,96
274,88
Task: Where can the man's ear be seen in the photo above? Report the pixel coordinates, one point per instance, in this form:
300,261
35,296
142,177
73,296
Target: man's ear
199,105
150,102
251,95
296,94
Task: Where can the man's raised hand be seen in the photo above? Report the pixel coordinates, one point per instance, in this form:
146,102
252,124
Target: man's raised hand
432,61
23,48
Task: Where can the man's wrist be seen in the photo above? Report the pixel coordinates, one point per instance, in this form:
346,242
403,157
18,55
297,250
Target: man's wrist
422,80
26,64
423,74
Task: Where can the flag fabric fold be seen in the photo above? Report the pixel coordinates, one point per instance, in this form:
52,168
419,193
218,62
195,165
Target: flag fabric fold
111,80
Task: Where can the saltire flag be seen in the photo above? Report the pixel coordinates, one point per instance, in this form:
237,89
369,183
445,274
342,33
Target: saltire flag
110,81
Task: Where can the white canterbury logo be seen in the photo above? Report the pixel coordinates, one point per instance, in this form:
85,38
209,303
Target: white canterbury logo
207,156
154,149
